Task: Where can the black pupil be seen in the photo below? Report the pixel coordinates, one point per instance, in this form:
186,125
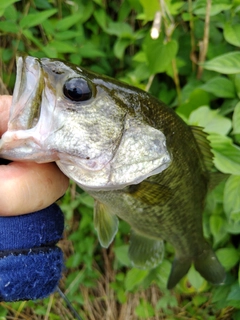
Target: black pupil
77,89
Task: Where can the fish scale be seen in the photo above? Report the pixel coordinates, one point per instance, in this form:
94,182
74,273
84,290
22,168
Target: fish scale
137,158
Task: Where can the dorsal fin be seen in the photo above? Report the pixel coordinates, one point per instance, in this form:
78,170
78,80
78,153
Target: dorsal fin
204,146
105,223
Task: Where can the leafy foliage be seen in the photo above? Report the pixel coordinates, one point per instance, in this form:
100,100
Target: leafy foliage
193,66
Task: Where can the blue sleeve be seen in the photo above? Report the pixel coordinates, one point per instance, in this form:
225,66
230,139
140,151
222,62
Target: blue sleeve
30,262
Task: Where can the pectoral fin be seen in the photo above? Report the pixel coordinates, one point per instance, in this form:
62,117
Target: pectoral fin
150,193
105,223
145,253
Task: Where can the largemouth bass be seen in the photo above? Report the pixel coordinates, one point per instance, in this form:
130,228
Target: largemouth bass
134,155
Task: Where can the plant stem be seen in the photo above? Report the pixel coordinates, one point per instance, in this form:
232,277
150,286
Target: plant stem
204,43
150,80
176,80
193,44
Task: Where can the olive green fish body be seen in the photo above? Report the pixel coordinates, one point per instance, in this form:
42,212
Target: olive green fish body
169,205
134,155
176,213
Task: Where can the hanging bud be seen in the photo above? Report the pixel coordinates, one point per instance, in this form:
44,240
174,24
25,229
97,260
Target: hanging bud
156,27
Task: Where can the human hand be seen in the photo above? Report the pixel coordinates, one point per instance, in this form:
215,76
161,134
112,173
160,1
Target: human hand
27,186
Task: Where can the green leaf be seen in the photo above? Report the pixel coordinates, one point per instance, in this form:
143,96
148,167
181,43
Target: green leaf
150,7
239,275
196,99
28,34
195,278
48,51
217,226
124,11
226,154
233,227
34,19
236,119
7,55
232,34
134,278
234,294
228,63
120,47
163,273
42,4
228,257
4,4
75,58
101,18
144,310
61,46
9,26
228,106
140,56
90,50
199,300
139,74
174,8
120,29
87,200
191,85
67,22
66,35
210,120
220,293
232,198
220,87
236,315
167,300
121,253
99,2
237,84
159,54
216,7
11,14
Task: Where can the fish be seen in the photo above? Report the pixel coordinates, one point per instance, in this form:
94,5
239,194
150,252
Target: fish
132,153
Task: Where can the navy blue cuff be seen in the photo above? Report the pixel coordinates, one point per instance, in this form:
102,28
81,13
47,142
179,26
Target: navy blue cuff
30,262
32,230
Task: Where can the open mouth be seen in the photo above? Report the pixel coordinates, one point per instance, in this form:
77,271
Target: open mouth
18,142
25,108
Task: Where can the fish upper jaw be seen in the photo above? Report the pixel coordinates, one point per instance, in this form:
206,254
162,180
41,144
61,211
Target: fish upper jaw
18,142
24,112
25,135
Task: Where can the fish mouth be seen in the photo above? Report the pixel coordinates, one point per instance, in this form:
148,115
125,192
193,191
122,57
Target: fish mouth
26,102
18,143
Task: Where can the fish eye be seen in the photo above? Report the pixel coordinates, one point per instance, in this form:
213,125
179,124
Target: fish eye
77,89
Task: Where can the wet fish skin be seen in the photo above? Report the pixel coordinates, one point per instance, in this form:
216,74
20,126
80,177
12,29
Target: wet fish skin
95,141
165,202
169,205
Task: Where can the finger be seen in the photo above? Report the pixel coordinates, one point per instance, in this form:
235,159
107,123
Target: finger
5,102
27,187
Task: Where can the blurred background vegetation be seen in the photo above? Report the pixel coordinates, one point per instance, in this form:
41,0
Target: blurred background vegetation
185,53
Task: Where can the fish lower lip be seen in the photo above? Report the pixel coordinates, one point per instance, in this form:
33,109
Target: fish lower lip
25,108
